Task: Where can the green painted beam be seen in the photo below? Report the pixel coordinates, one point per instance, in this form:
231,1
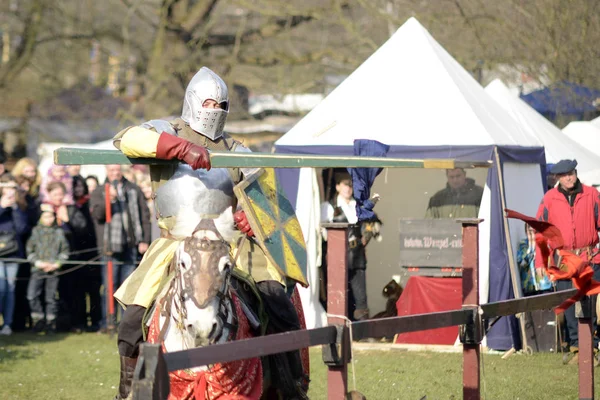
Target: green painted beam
69,156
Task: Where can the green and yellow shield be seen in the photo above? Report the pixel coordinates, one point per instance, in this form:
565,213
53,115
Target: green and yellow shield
274,223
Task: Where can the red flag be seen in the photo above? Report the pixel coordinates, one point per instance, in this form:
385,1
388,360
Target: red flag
571,266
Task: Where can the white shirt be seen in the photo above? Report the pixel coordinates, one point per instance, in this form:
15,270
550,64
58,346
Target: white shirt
349,210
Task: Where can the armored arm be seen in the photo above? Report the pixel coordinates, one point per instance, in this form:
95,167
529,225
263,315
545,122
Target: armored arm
158,139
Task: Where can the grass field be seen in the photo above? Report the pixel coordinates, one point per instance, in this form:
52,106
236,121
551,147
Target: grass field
86,366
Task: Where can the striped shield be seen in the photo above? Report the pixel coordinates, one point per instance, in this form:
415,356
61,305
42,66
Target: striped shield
274,223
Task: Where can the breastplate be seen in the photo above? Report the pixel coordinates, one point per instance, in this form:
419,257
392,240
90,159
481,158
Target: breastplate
189,196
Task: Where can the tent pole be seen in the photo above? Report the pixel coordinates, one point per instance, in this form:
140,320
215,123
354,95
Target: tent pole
514,271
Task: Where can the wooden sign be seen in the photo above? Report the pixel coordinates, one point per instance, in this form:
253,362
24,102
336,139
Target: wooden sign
430,243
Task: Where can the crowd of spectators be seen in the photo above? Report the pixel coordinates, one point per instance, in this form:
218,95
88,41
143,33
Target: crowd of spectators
55,243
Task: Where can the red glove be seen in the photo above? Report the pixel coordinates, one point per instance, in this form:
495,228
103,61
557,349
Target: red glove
171,147
241,221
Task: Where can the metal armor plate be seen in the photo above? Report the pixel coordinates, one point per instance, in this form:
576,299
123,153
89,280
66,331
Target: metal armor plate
190,196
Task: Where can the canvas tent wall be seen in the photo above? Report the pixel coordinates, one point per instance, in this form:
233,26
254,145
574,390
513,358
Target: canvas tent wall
584,133
412,95
557,145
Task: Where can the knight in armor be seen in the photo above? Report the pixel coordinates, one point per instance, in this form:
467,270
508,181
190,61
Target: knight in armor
184,194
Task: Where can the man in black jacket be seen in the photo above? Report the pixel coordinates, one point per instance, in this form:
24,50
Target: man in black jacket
128,233
459,199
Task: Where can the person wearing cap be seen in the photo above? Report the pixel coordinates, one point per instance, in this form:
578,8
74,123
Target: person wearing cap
574,209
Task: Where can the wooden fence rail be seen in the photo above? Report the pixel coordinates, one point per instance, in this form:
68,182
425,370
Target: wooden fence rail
151,377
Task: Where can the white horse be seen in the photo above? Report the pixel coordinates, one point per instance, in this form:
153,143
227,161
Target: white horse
198,308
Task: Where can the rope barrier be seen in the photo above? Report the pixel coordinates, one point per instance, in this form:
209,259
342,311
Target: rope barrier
78,264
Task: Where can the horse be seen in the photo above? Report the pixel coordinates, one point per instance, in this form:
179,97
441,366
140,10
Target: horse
198,308
204,304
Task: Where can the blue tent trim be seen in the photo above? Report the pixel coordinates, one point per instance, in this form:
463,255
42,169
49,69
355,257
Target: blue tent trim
363,178
505,333
564,98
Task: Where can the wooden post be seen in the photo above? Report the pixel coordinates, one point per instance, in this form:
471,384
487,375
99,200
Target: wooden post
337,301
583,312
470,289
109,289
151,378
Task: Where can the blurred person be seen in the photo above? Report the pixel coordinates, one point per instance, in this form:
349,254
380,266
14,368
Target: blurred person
128,234
47,248
533,280
92,182
129,173
13,223
573,208
56,194
140,172
74,170
28,168
459,199
342,208
32,209
31,202
3,169
146,186
57,173
83,245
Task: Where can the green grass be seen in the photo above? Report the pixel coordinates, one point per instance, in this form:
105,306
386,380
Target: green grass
87,367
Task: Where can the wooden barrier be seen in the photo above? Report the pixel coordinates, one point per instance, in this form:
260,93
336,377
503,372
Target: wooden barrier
150,378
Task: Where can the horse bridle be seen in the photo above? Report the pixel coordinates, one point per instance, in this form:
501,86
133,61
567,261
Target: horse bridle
226,319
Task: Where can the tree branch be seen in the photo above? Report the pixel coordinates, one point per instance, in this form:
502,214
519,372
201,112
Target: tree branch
199,15
270,29
26,48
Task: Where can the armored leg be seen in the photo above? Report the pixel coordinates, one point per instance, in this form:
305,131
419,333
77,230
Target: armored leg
129,338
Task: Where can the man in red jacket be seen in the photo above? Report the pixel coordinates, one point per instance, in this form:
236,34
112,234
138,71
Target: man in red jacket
574,209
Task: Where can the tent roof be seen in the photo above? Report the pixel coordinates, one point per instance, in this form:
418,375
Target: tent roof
558,146
585,133
596,122
410,92
565,98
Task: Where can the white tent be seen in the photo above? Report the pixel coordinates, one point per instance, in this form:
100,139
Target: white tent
412,95
557,145
584,133
596,122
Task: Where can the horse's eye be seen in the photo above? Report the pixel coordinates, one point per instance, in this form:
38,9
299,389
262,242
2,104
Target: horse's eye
185,260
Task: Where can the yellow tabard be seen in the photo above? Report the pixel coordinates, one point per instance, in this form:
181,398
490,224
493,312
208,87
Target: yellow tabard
143,284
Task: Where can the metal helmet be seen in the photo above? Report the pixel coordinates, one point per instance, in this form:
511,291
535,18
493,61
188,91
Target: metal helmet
206,85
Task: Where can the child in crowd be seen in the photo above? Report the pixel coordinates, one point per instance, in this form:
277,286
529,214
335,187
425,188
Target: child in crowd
57,192
57,173
46,249
532,280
